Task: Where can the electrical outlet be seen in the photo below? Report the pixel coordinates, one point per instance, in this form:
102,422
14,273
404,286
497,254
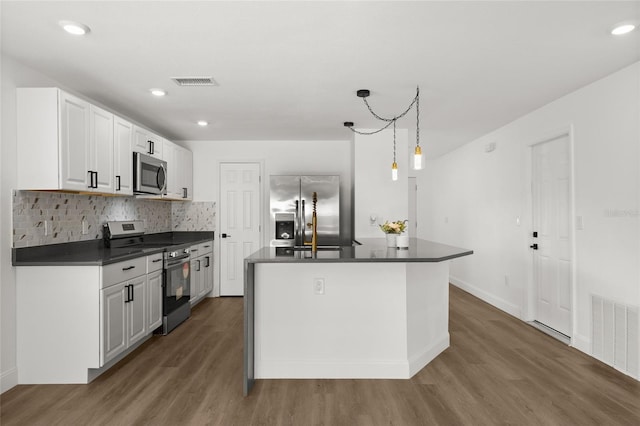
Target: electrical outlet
318,285
85,227
46,228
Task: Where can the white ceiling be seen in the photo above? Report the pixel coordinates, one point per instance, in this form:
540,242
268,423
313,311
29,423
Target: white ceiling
290,70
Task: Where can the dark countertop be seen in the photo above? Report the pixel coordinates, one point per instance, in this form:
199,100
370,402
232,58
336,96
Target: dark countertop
93,252
371,250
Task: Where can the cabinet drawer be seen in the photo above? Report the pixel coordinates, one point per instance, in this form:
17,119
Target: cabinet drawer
123,271
154,262
202,249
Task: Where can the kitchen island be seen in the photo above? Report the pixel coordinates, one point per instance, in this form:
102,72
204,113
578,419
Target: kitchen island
362,311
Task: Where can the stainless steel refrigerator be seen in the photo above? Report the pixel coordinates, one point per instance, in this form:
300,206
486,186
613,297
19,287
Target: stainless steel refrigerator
292,208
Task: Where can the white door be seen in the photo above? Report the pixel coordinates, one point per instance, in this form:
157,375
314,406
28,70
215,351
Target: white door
552,222
239,222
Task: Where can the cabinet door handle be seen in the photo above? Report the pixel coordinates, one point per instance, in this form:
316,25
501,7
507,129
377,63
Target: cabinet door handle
194,250
207,246
117,183
150,147
91,175
128,268
156,260
128,299
206,265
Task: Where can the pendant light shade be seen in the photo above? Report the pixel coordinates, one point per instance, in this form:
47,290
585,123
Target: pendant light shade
417,158
394,171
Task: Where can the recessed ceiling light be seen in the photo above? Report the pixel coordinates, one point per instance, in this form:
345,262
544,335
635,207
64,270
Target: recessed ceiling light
158,92
74,28
623,28
203,123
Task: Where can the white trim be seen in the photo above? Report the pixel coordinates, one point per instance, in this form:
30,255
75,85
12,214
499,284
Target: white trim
582,343
8,379
499,303
427,354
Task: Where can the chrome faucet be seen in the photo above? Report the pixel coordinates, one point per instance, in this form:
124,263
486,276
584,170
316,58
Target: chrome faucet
314,227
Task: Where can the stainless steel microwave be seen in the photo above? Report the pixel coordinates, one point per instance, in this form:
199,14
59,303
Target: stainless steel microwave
149,175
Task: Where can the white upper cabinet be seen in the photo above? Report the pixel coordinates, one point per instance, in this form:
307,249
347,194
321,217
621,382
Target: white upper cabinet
101,150
147,143
63,142
74,150
169,150
185,160
122,156
179,171
66,143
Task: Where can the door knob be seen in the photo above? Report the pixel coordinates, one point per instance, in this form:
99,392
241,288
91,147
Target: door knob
534,246
225,236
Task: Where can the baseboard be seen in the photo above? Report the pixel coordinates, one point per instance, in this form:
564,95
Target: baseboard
581,343
499,303
428,354
8,379
327,369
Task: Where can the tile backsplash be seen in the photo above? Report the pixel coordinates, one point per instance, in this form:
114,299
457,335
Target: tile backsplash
62,216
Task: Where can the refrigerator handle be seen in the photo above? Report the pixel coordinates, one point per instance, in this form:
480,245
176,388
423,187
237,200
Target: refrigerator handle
303,225
296,233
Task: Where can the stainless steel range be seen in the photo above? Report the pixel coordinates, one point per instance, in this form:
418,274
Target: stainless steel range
176,283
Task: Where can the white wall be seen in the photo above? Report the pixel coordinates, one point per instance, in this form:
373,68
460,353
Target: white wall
278,157
375,194
481,194
13,75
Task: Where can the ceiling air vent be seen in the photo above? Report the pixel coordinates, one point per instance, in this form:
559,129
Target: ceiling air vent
195,81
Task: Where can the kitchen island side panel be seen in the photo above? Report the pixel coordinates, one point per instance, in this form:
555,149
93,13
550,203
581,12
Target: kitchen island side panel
356,329
58,321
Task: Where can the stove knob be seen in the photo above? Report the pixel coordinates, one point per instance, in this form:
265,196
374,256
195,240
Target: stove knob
172,254
187,251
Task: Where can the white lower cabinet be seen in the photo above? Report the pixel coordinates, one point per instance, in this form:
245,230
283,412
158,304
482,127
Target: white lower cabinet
201,271
154,291
124,307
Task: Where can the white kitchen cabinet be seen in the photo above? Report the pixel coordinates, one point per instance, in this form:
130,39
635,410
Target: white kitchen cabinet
147,143
185,162
64,142
74,149
124,307
196,280
122,156
53,140
179,171
201,271
101,150
114,328
169,151
154,291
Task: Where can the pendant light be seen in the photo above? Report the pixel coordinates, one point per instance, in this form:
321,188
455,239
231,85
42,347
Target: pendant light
417,158
417,154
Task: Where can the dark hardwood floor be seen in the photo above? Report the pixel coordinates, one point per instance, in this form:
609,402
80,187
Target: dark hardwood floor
498,371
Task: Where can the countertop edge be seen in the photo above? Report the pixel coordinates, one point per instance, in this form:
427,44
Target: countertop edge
92,262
